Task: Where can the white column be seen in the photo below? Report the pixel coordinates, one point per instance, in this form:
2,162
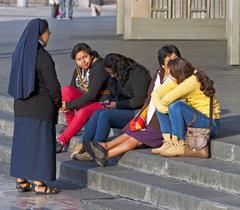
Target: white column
22,3
233,29
120,16
128,7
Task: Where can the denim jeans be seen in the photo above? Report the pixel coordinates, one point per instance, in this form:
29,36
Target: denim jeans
179,116
98,126
63,8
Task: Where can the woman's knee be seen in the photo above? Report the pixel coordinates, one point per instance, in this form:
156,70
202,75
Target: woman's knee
66,89
104,114
66,92
175,107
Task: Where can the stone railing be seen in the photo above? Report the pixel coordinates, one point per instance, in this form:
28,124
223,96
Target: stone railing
192,9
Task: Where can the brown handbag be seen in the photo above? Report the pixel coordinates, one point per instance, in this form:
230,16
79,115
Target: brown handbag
197,141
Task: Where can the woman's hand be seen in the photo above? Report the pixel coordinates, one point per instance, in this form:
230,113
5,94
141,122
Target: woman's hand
63,109
112,105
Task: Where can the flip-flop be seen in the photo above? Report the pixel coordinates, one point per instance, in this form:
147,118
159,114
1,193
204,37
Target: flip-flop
48,190
99,151
20,188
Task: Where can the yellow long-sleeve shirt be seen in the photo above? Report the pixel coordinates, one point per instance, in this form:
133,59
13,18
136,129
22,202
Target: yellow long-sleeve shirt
189,89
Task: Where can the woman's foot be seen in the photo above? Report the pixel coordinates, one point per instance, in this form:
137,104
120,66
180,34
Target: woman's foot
100,154
83,157
77,150
23,185
59,147
167,142
165,145
40,187
104,145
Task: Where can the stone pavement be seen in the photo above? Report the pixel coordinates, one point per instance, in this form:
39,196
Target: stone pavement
71,197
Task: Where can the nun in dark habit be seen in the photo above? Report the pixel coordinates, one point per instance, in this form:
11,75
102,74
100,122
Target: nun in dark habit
36,91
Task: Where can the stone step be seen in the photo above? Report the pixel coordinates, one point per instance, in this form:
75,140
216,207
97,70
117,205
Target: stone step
6,104
5,148
155,190
213,173
71,197
6,123
226,148
7,127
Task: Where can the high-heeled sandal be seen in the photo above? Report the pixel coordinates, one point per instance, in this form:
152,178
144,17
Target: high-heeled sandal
47,189
23,186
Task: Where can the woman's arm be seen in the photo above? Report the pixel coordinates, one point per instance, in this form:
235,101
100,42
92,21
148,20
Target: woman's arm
168,93
139,81
50,79
160,92
98,78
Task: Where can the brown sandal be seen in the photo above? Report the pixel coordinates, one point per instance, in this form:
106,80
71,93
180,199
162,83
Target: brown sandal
47,189
23,186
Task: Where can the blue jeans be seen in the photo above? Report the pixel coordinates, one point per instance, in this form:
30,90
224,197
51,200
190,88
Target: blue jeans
98,126
63,8
179,116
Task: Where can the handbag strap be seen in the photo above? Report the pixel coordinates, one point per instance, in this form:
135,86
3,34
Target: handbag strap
190,124
143,108
211,113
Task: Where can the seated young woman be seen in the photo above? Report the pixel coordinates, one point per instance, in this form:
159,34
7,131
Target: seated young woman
174,114
87,89
128,87
151,135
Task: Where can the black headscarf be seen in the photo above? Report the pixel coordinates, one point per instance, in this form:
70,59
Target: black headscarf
22,76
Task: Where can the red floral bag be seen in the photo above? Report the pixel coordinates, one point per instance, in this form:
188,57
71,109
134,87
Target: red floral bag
138,122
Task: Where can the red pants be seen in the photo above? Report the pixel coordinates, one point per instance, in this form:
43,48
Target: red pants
76,119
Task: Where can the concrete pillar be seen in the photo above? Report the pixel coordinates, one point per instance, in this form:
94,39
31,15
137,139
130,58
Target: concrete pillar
134,9
83,3
120,16
22,3
141,8
233,32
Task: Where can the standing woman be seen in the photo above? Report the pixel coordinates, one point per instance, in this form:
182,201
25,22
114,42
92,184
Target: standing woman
37,97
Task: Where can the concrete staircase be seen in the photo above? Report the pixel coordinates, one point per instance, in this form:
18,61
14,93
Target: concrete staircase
154,181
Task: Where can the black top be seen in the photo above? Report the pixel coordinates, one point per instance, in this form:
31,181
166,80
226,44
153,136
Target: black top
98,2
98,78
131,93
45,100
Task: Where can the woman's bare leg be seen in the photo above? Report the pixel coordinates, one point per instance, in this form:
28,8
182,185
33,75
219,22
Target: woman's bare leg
130,143
113,143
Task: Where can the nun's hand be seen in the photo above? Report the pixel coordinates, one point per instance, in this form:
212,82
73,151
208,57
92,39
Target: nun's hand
63,109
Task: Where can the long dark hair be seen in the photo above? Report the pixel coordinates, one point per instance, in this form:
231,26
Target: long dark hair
83,47
120,65
180,69
165,51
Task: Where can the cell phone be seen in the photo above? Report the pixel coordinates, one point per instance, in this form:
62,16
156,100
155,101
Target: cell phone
105,103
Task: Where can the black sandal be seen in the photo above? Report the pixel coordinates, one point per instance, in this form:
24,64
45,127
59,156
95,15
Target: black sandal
101,161
99,151
100,154
23,186
48,190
